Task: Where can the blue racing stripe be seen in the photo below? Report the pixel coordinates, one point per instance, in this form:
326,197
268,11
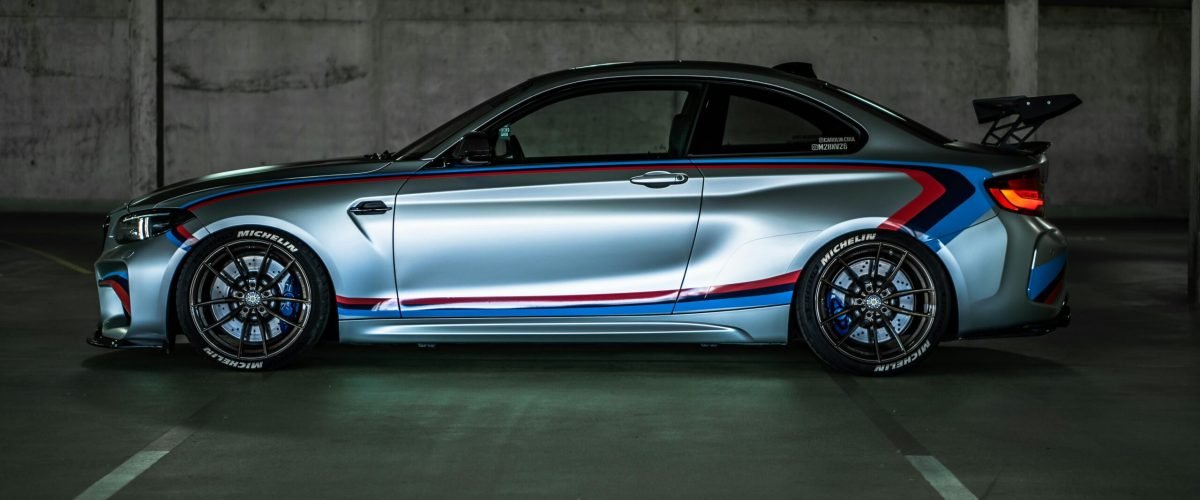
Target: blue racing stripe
773,299
1041,277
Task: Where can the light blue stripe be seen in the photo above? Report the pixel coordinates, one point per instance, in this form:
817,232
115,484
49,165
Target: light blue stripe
366,313
120,274
1042,276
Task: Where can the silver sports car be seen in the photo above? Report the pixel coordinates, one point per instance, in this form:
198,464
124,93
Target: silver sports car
708,203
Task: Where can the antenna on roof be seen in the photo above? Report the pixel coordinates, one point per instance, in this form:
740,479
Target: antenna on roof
797,68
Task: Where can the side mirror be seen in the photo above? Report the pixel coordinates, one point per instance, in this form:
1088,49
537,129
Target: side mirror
474,148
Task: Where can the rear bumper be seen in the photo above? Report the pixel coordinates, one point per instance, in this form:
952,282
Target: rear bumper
1011,277
1040,328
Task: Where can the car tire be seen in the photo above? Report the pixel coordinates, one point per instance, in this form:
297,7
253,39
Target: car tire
226,298
873,303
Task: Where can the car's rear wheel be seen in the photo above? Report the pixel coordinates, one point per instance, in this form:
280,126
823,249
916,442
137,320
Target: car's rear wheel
252,299
873,303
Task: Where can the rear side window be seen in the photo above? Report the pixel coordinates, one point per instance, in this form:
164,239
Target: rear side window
739,119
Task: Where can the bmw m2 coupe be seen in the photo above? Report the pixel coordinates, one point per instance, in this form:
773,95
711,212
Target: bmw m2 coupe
695,202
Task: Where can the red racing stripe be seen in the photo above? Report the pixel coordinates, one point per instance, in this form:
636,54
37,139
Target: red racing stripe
356,301
663,295
783,279
931,189
122,294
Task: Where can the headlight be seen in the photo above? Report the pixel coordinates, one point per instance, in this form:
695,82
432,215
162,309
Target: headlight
138,226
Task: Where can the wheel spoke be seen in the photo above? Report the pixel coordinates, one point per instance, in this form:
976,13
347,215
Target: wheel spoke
902,293
875,263
241,266
278,277
835,287
896,268
280,317
902,310
845,337
245,336
224,277
288,299
874,333
266,263
892,331
224,300
265,329
840,313
221,321
848,269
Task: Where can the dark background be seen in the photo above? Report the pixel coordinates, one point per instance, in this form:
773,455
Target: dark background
97,105
248,82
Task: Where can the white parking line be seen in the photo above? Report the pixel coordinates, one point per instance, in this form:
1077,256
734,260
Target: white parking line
129,470
938,476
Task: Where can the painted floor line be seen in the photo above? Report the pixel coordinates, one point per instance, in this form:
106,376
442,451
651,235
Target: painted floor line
111,483
56,259
938,476
141,461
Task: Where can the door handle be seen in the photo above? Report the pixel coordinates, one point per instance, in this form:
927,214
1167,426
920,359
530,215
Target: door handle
659,179
370,207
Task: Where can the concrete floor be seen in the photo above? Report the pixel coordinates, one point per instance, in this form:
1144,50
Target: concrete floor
1107,408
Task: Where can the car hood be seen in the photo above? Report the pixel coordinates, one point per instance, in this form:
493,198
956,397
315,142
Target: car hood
266,173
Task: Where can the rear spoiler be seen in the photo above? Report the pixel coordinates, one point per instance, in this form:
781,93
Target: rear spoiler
1030,112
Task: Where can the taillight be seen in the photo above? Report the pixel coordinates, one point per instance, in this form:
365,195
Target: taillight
1020,193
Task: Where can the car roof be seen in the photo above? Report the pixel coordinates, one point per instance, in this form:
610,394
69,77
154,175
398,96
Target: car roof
676,65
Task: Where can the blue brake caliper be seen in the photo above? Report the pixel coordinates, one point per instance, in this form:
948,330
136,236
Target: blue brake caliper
834,305
288,309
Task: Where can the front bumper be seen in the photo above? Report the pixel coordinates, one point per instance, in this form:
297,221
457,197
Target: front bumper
134,282
97,339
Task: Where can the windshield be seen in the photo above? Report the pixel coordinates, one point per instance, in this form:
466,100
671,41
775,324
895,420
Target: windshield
892,116
421,146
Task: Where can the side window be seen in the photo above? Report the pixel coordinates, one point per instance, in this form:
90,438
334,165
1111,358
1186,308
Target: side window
749,120
608,123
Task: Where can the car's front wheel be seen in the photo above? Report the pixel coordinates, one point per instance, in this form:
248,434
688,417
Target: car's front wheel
252,298
873,303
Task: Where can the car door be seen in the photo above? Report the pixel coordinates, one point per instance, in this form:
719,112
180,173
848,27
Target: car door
587,208
775,177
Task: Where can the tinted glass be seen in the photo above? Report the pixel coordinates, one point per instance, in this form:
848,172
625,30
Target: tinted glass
749,120
611,123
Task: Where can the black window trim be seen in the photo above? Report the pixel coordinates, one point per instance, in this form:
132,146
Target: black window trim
863,136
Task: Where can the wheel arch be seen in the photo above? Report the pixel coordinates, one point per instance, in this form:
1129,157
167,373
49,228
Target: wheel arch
808,253
266,223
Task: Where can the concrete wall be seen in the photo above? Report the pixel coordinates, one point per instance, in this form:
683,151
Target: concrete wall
270,81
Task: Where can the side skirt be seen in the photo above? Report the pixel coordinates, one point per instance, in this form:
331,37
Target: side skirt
762,325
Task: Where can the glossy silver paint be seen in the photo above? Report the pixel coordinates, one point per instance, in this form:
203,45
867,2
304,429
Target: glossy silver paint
467,254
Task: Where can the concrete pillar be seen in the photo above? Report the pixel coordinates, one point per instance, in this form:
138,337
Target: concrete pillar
1022,28
144,95
1194,176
